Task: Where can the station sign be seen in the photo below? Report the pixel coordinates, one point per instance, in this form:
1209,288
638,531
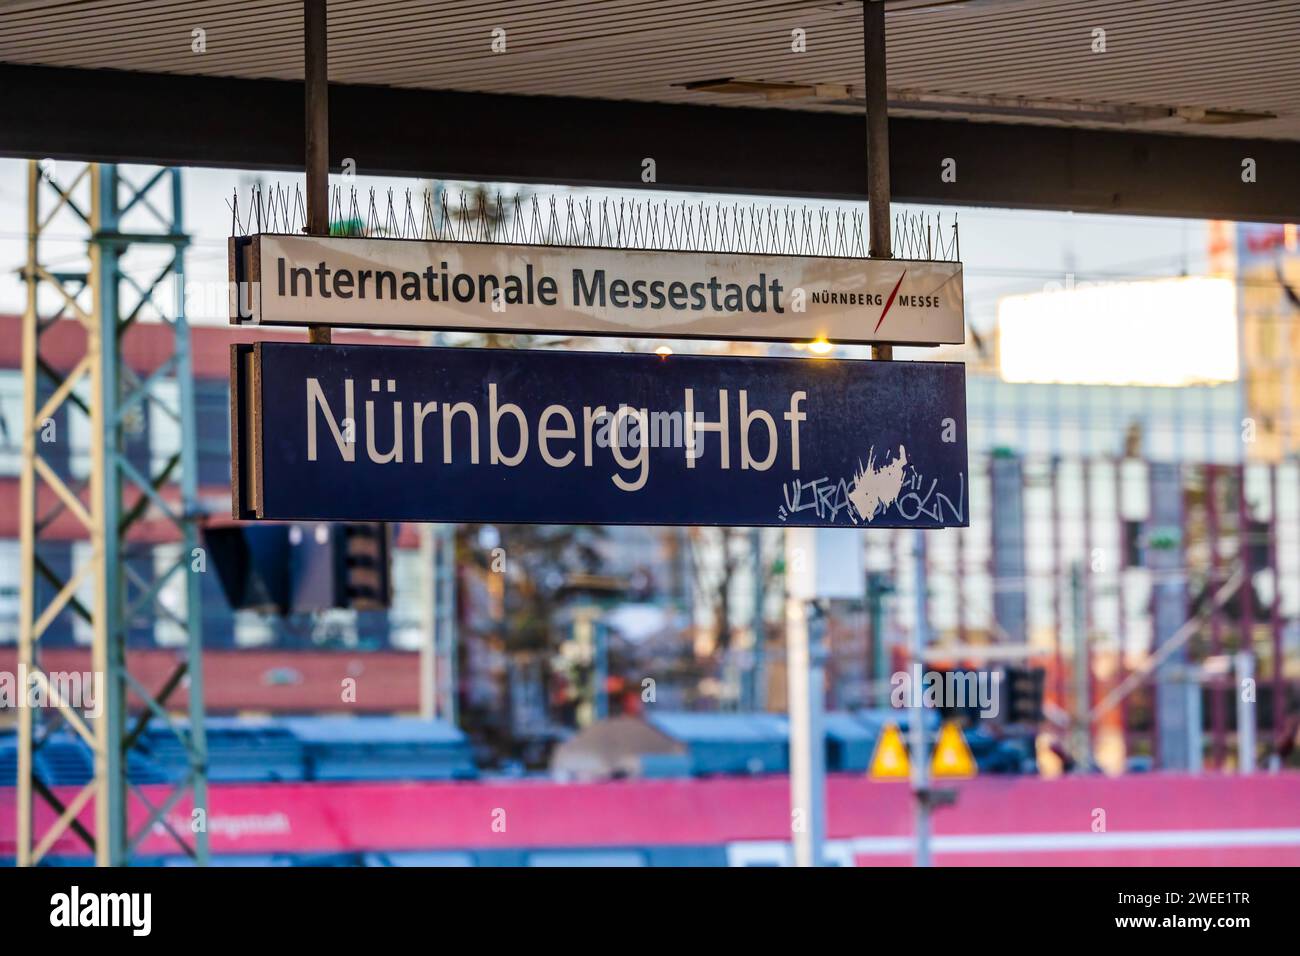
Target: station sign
366,282
396,433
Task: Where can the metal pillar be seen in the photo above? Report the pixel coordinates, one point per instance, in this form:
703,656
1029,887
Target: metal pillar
756,696
599,670
959,573
108,301
1217,714
1192,680
916,713
1121,599
805,694
1275,615
429,624
1058,583
315,55
109,652
1010,571
877,102
1244,543
1169,610
1244,666
878,585
806,676
445,617
1082,673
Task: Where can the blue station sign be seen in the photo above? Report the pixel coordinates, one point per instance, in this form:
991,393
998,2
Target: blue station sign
394,433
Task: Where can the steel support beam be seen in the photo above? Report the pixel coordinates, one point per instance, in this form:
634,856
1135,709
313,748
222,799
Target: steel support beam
877,110
316,102
107,299
446,628
878,189
223,122
108,651
1169,609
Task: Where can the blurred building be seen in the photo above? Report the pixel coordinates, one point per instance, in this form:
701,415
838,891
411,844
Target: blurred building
1119,481
1268,270
1116,485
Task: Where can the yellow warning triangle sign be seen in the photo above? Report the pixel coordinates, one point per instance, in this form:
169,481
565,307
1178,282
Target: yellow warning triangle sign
952,756
890,761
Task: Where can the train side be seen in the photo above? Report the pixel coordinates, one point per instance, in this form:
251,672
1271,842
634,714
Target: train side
1151,819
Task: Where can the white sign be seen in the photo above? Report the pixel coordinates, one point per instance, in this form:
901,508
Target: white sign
415,284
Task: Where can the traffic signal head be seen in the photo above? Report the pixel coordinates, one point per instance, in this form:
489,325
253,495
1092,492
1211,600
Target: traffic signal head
1023,694
367,585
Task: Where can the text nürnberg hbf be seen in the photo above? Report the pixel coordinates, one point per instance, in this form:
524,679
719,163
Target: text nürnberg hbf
629,433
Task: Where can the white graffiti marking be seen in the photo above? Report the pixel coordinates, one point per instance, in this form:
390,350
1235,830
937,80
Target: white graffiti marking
824,497
875,489
912,505
873,492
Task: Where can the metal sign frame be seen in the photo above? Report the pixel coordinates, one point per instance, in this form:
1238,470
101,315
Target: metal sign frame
416,433
643,293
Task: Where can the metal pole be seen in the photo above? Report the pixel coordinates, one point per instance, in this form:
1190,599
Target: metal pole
109,651
27,520
817,654
446,629
1247,643
805,630
961,583
429,625
879,653
1245,667
1217,716
1191,677
315,46
878,194
1275,614
1121,613
432,621
191,509
1082,723
916,714
1007,551
600,672
1058,569
758,665
1085,675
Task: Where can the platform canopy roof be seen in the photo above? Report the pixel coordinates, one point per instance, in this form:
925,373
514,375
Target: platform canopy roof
1141,106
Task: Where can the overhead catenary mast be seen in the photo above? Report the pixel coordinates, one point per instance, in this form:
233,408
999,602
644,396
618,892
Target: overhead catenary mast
123,485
